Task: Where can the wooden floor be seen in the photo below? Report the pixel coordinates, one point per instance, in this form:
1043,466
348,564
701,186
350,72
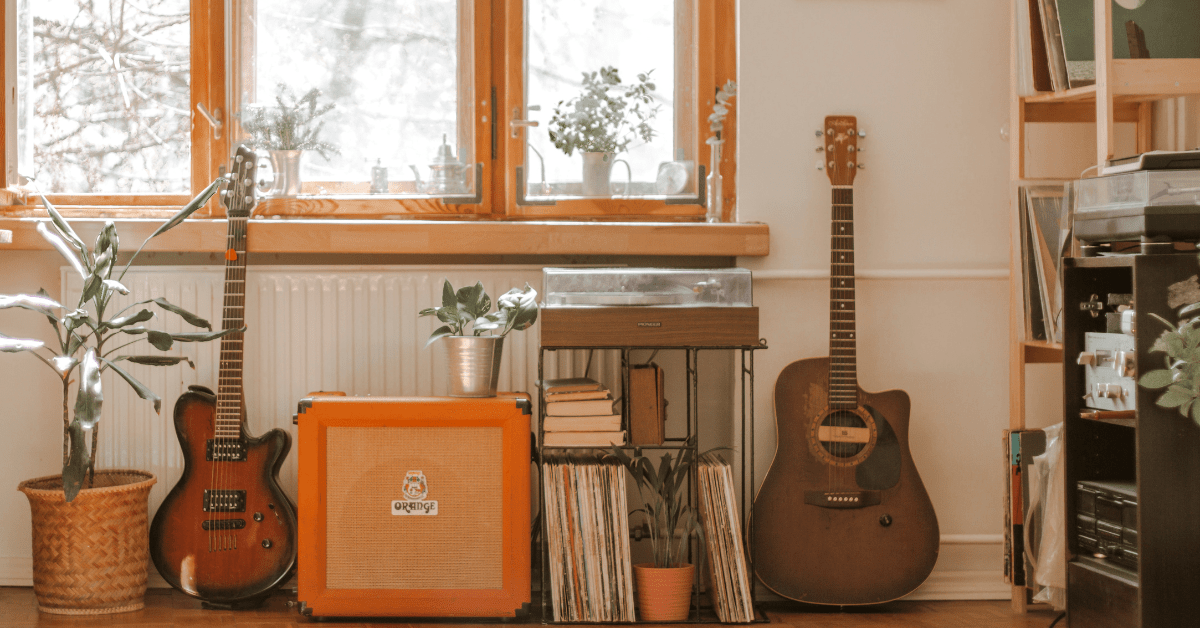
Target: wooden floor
166,608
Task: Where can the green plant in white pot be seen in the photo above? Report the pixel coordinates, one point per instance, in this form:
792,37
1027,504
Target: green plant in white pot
474,336
285,131
664,587
603,120
90,537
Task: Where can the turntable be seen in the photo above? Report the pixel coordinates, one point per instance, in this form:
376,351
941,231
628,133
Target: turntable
653,307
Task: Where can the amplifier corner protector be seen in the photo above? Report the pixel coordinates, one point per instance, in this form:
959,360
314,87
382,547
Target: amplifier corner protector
304,405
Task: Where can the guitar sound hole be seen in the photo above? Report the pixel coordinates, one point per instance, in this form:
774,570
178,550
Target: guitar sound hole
843,434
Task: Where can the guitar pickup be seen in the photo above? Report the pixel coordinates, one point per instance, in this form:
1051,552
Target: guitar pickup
841,499
225,450
224,500
223,524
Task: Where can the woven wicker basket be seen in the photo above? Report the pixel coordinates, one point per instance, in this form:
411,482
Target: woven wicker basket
90,555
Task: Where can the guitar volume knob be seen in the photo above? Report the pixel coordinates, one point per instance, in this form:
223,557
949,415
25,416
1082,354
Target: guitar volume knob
885,520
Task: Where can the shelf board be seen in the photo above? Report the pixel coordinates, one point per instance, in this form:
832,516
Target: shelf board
1042,352
1106,568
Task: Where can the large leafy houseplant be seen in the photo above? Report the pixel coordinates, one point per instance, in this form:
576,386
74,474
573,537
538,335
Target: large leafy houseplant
90,339
469,307
607,116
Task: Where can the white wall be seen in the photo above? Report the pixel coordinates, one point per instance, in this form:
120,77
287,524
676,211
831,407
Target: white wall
928,80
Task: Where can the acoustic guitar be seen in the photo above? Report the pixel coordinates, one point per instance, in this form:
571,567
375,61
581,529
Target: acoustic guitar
842,517
226,533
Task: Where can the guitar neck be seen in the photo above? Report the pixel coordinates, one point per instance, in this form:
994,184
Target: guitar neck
843,366
229,378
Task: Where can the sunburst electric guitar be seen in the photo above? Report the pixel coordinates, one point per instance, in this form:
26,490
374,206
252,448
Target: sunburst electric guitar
842,516
226,533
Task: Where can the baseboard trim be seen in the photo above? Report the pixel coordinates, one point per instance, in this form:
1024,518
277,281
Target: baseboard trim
963,585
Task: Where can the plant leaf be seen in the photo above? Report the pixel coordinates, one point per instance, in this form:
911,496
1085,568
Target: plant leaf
64,229
444,330
59,245
77,461
113,284
90,399
1174,397
1160,378
16,345
204,336
141,389
189,209
448,300
38,304
155,360
192,319
160,340
124,321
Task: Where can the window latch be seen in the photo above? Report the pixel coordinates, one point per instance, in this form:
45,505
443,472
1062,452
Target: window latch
214,121
515,124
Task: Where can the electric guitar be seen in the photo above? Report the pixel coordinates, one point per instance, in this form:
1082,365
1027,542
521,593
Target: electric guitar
226,533
842,517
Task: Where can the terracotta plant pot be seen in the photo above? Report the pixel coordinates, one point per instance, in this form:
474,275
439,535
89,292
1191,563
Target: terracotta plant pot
90,555
663,593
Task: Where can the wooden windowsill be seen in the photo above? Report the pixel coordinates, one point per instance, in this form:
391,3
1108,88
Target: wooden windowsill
426,237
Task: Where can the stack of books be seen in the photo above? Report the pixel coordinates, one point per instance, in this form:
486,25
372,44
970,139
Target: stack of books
579,413
730,578
587,524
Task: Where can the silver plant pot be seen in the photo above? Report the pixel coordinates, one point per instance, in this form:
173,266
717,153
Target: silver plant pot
473,364
286,164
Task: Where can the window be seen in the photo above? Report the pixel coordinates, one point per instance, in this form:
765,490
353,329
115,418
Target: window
420,108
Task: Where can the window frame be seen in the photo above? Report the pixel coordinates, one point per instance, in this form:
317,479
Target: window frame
498,49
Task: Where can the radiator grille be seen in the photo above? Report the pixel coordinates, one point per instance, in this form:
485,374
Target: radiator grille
348,328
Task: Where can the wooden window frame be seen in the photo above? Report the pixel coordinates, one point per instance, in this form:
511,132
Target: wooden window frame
497,90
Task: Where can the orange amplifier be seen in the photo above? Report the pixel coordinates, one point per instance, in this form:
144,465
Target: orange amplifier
414,507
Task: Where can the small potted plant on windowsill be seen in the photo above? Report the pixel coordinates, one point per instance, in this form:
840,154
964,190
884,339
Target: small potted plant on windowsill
473,359
90,528
664,587
603,120
285,131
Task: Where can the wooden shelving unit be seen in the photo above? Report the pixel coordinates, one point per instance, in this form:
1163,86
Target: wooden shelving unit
1124,92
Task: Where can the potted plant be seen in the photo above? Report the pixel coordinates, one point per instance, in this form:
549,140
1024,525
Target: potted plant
664,587
603,120
716,122
473,361
285,131
90,533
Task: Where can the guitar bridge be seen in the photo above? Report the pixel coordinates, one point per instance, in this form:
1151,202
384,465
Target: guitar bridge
225,450
841,499
223,524
224,500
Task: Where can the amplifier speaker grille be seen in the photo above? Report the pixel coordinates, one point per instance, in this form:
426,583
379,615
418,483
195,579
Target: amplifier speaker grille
370,548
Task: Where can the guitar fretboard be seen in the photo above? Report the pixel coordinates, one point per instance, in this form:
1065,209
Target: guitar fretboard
229,377
843,368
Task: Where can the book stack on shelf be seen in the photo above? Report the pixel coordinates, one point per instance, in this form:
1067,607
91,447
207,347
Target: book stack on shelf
579,413
587,524
729,576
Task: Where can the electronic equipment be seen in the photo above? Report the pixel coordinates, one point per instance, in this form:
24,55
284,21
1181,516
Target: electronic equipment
1109,372
1106,521
414,507
648,307
1151,204
1154,160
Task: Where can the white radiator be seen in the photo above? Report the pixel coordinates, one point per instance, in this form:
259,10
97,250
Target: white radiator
351,329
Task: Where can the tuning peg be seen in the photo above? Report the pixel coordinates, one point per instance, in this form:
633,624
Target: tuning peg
820,149
860,166
820,166
861,149
862,133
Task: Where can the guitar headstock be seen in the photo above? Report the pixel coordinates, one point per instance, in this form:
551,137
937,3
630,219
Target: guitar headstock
239,196
839,142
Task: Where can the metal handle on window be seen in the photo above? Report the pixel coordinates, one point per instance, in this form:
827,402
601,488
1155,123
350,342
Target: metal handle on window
516,123
215,122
